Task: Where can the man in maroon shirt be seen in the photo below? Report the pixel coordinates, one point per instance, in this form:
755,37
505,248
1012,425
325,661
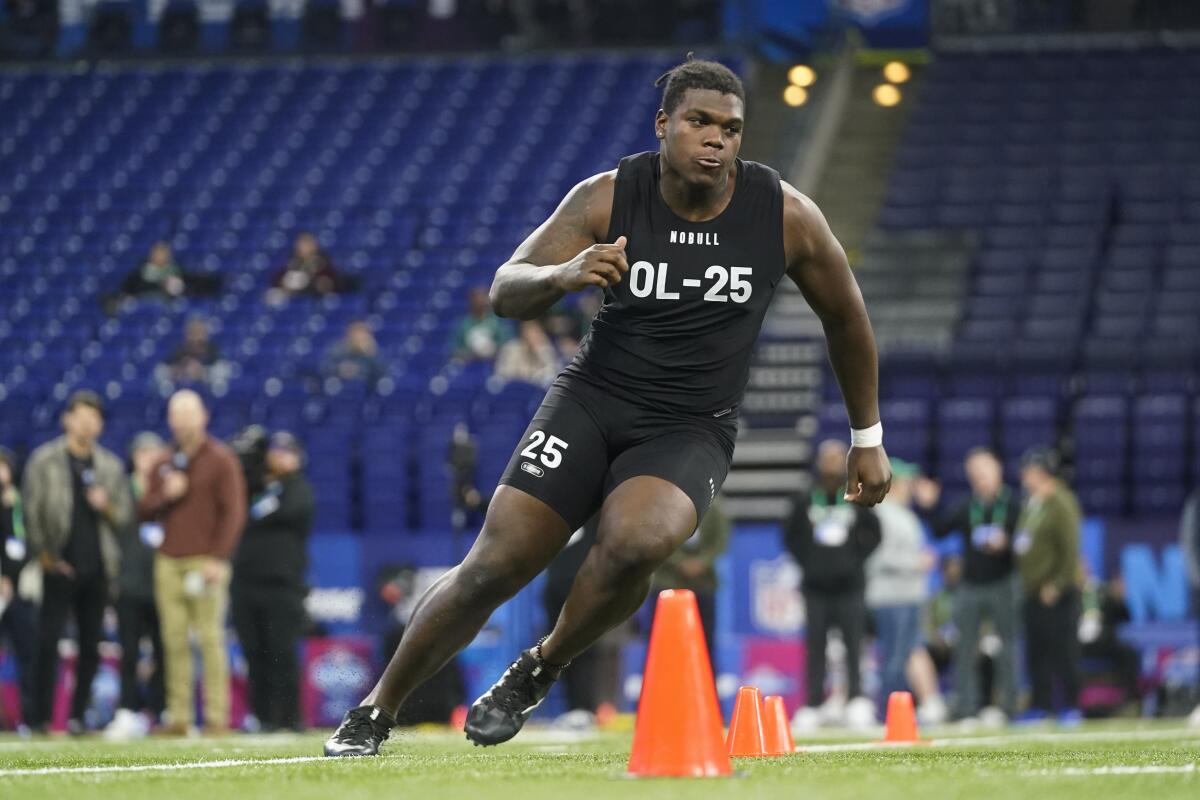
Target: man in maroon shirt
198,495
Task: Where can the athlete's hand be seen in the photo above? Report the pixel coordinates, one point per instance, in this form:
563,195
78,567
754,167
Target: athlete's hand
600,265
868,475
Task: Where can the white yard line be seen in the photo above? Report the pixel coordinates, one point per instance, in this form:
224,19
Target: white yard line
1016,738
1145,769
228,762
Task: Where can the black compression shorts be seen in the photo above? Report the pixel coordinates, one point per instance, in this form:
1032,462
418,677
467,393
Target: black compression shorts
584,442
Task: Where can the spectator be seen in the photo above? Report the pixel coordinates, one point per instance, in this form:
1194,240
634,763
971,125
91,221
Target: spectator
897,579
76,500
831,541
197,493
567,347
137,615
1047,549
530,357
693,566
1104,611
563,320
309,271
269,587
933,658
197,359
469,503
159,275
355,357
18,623
1189,544
481,333
986,521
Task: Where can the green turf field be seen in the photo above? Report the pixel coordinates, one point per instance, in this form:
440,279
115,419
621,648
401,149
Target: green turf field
1098,761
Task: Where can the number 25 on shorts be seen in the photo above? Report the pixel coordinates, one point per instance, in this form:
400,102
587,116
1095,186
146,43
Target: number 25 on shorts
551,456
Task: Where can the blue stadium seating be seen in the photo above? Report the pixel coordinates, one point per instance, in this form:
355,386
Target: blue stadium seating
1080,173
418,176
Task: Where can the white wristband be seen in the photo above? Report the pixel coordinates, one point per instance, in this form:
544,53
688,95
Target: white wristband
867,437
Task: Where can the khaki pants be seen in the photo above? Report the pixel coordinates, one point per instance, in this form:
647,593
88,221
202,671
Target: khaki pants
179,613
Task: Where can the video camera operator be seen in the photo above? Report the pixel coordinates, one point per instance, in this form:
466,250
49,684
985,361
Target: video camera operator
269,575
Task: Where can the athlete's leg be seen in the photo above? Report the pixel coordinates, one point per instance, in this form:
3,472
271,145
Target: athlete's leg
520,536
642,522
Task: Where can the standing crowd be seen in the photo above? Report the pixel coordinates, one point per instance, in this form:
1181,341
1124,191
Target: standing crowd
189,531
1017,577
167,544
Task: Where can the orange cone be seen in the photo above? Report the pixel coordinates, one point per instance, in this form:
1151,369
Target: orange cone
678,729
458,718
777,733
746,727
901,718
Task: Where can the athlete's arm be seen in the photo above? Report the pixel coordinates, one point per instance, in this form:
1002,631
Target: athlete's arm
817,264
565,254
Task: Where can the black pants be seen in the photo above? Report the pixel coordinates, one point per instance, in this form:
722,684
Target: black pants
84,597
707,603
269,619
1052,649
846,611
137,618
18,627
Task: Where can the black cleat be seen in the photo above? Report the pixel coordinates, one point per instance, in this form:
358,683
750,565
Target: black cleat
501,713
362,732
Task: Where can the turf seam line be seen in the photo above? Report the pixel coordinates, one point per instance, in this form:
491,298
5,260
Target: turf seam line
985,741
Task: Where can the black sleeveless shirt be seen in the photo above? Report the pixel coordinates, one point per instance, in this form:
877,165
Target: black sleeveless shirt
678,331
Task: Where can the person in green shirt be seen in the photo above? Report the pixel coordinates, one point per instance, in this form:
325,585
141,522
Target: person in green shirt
1047,550
18,612
480,333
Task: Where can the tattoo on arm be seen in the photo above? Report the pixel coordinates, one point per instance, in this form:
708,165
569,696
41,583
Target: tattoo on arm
525,286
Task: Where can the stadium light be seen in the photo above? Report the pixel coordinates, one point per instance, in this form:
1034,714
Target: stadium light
802,75
896,72
886,95
795,96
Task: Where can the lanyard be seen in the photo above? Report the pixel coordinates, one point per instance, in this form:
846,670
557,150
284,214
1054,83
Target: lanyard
18,519
819,499
999,510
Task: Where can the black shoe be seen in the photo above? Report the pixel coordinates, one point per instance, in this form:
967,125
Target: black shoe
502,711
361,733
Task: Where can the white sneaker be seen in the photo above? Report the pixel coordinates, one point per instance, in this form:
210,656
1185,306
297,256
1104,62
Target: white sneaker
860,714
1194,718
126,725
806,721
933,711
579,719
993,718
833,711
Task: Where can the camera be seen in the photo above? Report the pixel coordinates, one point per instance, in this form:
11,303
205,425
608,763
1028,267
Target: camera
250,445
